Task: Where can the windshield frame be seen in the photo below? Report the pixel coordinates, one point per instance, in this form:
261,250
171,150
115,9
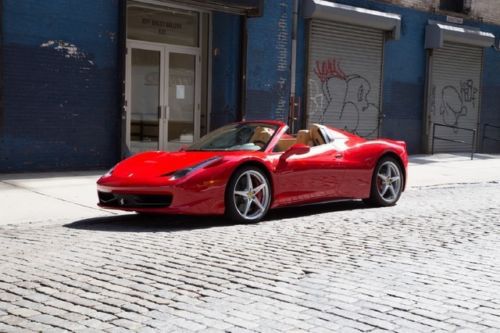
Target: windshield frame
276,126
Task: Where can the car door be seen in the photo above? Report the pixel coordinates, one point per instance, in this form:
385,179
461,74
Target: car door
309,177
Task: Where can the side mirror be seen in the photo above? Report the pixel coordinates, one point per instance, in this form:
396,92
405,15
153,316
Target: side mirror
297,149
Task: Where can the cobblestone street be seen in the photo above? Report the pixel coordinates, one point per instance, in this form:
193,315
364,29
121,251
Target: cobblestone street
432,263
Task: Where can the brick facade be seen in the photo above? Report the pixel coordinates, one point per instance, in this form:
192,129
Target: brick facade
61,85
268,62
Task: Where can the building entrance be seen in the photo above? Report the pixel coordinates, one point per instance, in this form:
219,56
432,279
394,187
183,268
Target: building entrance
163,77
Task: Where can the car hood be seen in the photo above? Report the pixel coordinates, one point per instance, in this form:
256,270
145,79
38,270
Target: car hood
156,164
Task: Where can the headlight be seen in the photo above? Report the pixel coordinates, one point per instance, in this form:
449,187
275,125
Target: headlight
183,172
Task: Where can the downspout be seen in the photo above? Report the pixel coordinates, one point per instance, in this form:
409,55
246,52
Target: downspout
292,116
121,65
243,68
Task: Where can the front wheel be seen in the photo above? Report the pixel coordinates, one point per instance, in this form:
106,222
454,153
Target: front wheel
248,195
387,183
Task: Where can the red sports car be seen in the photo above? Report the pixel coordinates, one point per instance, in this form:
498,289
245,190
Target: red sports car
244,169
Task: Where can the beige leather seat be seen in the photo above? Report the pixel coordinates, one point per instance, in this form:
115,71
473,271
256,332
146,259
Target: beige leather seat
303,137
316,135
261,136
285,143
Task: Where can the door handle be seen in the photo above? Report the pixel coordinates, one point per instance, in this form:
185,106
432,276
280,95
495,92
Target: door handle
339,155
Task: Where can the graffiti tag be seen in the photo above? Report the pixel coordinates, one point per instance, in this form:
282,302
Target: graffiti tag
454,100
351,90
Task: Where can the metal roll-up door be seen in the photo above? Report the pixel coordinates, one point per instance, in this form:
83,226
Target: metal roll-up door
345,76
455,94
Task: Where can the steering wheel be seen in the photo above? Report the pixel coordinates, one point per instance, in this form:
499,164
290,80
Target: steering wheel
259,142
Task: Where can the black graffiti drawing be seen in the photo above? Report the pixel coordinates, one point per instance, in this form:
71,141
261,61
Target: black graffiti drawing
454,101
468,91
351,90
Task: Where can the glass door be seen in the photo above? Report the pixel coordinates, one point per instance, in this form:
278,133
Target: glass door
145,97
183,105
163,90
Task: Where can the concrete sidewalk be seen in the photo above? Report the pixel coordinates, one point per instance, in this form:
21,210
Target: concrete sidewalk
63,197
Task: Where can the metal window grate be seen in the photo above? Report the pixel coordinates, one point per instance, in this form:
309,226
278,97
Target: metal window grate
458,6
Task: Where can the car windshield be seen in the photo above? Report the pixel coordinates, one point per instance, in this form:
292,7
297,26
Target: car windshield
242,136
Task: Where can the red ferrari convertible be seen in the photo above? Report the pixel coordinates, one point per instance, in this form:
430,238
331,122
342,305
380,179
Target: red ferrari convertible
244,169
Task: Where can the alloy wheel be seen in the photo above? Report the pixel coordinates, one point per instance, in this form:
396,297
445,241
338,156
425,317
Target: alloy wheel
389,181
251,195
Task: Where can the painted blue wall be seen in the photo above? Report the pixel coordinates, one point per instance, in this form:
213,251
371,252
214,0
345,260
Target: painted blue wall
226,71
268,62
60,85
490,99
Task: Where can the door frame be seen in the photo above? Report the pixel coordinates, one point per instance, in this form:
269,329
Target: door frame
165,50
128,88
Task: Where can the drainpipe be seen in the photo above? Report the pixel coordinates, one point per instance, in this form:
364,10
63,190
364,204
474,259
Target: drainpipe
122,54
243,68
294,103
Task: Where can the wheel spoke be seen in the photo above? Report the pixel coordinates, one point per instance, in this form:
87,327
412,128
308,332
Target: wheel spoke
382,176
258,203
384,191
259,188
249,182
241,193
247,207
395,179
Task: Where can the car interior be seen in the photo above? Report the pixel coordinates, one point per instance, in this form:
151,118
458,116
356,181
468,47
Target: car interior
315,135
261,136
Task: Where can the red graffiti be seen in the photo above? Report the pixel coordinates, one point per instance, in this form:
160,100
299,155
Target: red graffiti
328,69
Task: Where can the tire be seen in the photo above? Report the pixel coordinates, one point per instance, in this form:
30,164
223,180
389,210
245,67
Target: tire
244,203
387,183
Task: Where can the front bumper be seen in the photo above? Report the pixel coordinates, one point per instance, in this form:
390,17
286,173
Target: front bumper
163,199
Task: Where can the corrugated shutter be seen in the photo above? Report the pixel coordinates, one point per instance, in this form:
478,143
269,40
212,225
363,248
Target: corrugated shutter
455,94
344,76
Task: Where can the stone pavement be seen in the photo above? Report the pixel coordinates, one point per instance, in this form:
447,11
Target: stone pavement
431,263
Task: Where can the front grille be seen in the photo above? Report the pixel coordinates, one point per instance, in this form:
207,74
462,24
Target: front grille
134,200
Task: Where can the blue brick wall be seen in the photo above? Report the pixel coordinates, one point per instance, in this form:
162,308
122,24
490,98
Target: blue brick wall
226,71
268,62
61,85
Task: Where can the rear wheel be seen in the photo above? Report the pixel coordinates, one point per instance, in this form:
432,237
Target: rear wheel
248,195
387,183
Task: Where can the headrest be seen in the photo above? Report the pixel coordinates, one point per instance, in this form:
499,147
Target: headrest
261,134
316,133
303,137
